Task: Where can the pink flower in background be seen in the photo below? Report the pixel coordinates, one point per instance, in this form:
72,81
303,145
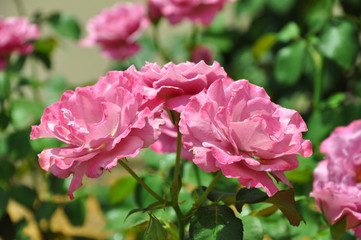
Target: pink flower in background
202,53
176,83
16,35
116,29
337,179
101,124
198,11
236,128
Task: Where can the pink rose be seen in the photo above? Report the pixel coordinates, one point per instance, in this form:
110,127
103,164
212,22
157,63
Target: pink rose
16,35
198,11
116,29
101,124
337,179
177,83
235,128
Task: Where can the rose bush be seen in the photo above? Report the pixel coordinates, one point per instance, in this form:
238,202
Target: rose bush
236,128
116,29
337,179
199,11
100,124
16,35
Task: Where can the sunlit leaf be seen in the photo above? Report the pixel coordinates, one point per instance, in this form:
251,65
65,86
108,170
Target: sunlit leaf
339,42
121,189
289,32
252,228
289,63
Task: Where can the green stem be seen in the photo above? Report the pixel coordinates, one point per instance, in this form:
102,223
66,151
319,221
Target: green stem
317,60
140,181
176,186
199,202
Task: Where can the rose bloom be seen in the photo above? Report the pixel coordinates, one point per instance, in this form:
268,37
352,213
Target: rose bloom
337,179
198,11
116,29
236,128
100,124
176,83
16,35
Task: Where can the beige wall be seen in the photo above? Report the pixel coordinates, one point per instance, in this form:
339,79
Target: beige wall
78,65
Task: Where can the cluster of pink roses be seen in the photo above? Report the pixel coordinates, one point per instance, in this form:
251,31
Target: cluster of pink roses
116,29
16,35
226,125
337,179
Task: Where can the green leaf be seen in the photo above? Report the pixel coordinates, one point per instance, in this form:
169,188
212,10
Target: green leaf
158,161
155,230
339,228
19,144
339,42
75,211
194,175
143,197
251,195
121,189
7,169
23,195
281,7
215,222
5,88
216,196
252,228
285,201
45,45
289,32
65,24
45,210
4,199
289,63
263,44
24,113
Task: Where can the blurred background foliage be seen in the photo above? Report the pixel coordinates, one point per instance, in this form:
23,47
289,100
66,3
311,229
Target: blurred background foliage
305,53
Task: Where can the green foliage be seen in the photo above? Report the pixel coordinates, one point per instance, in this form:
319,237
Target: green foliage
75,211
155,230
121,189
65,24
339,42
215,222
253,229
339,228
23,195
289,63
4,199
